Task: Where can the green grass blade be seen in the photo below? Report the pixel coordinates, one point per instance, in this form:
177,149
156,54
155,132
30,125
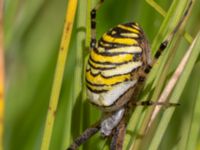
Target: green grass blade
78,85
70,14
2,78
193,136
176,94
167,26
22,20
157,7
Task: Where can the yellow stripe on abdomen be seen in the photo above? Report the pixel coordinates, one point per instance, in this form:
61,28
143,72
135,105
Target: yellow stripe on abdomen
121,58
128,28
127,41
100,80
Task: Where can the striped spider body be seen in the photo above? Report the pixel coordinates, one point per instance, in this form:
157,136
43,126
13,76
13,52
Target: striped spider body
116,70
113,66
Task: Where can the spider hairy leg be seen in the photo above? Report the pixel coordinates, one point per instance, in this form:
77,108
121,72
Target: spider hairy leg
93,24
169,38
89,132
151,103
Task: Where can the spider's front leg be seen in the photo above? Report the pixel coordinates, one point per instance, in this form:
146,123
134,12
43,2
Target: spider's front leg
145,71
93,24
169,38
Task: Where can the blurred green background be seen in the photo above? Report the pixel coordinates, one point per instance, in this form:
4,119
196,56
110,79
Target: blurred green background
33,32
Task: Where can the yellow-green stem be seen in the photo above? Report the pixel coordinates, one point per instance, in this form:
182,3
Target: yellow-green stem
1,77
70,14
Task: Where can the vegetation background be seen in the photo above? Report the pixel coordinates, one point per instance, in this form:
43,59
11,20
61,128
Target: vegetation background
33,32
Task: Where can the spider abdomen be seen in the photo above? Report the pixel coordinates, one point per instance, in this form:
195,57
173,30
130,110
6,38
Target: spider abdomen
113,63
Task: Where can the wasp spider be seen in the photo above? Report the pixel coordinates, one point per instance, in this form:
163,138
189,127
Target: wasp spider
116,70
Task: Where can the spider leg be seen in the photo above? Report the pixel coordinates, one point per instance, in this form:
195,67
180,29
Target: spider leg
143,73
118,136
169,38
150,103
93,24
85,136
